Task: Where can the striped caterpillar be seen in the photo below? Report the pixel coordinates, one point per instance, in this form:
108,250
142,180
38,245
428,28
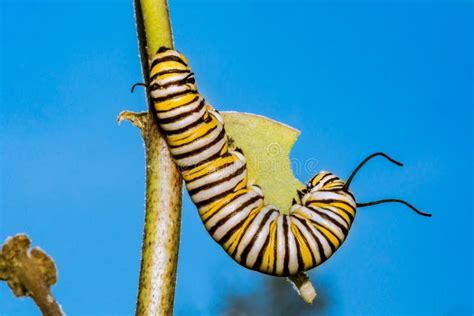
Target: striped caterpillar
254,234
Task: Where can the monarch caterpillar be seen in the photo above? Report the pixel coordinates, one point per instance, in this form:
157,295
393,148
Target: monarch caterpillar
233,211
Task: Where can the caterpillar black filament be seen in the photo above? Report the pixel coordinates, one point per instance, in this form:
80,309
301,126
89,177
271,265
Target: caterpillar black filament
233,211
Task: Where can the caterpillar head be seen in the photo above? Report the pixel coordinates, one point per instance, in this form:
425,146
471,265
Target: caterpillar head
170,74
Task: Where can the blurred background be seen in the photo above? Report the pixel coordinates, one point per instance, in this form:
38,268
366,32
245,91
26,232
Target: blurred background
354,77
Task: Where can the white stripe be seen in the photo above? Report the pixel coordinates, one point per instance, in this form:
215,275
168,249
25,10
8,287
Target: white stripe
215,175
235,219
201,142
262,236
323,222
218,189
280,258
187,120
293,253
177,76
203,155
309,238
250,233
168,91
181,109
330,211
322,240
229,208
318,196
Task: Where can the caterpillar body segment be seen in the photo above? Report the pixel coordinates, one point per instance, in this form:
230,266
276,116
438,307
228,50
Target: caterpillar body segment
233,211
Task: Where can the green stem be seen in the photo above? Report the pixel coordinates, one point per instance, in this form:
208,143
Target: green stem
163,182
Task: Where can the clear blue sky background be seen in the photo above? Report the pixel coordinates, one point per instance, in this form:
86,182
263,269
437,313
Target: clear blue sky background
354,77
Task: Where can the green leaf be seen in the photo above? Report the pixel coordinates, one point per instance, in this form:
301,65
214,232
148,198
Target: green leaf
266,145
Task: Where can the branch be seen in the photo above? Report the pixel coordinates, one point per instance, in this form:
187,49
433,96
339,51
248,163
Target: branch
29,272
163,181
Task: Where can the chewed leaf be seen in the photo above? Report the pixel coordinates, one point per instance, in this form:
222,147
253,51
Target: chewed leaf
266,145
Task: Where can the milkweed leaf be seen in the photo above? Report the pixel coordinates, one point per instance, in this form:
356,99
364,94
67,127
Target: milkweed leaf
266,145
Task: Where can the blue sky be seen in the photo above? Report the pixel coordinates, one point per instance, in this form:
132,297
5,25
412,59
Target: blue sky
354,77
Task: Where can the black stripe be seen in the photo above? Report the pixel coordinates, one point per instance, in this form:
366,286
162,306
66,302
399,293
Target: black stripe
330,201
169,71
196,139
261,253
305,241
329,181
232,231
202,148
180,116
333,247
167,58
213,170
214,198
352,195
190,167
332,221
202,120
329,210
172,96
223,220
336,189
298,250
286,262
325,176
224,205
220,181
233,254
322,256
246,251
185,104
177,83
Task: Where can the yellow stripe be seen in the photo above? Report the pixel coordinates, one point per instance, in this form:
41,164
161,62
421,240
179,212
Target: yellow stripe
243,183
217,206
166,76
318,178
184,59
336,210
188,133
225,148
207,168
300,213
333,184
326,231
167,65
328,234
234,240
268,256
343,206
178,140
305,251
174,102
168,53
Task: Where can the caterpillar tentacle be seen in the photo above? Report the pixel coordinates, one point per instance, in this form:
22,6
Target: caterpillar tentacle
232,209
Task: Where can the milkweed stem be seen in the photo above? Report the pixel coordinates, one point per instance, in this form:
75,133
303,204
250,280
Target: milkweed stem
163,182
